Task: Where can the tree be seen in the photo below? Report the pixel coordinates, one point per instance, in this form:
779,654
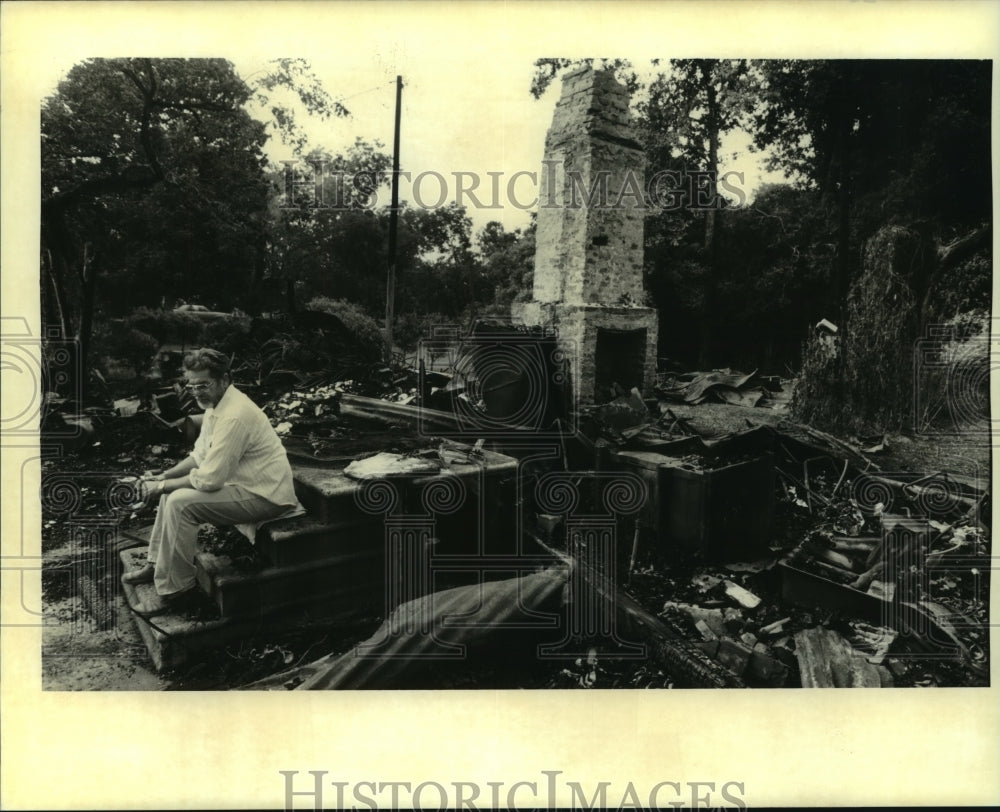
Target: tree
898,142
773,268
898,152
153,180
688,110
332,240
295,78
326,230
508,263
115,131
442,274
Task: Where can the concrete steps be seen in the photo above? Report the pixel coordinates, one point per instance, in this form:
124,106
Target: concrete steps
173,639
330,564
326,494
471,506
332,584
308,538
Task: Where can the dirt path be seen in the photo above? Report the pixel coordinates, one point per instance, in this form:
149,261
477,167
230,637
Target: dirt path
88,643
78,656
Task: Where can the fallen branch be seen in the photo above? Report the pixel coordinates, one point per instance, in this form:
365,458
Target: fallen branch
912,490
799,483
829,439
839,481
864,580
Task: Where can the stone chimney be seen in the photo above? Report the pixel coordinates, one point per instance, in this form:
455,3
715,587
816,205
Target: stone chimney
589,244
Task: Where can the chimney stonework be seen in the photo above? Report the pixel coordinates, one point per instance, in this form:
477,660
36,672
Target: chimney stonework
589,242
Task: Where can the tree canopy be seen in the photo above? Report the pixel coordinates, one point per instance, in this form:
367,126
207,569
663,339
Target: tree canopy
154,185
156,189
863,144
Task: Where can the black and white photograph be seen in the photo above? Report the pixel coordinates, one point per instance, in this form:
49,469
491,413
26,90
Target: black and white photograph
434,370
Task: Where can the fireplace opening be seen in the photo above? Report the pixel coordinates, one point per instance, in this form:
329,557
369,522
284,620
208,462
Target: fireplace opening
620,358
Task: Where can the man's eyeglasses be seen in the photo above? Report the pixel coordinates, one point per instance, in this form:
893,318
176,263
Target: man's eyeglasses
199,387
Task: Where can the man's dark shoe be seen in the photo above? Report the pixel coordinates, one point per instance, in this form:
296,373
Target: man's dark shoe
140,576
157,604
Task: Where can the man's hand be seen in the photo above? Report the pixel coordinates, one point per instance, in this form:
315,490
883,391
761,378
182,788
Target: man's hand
150,487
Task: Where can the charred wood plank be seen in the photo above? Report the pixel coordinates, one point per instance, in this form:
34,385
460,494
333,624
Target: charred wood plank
682,658
827,660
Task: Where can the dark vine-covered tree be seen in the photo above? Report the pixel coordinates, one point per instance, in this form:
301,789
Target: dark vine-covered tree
885,142
153,185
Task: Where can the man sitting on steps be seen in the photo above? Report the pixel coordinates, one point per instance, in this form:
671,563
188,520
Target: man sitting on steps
237,473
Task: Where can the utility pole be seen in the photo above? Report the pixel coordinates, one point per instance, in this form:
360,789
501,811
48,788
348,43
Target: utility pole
390,286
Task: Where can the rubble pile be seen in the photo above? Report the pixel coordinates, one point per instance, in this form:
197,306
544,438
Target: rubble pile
724,386
887,569
304,410
768,557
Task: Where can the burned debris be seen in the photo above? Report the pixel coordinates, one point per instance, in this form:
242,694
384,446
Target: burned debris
532,504
771,556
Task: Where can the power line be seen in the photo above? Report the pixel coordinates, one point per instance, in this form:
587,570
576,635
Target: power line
363,92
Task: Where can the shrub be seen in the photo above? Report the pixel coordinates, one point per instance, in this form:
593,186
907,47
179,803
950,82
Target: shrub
953,375
127,346
332,340
354,318
225,334
167,326
867,387
411,327
190,329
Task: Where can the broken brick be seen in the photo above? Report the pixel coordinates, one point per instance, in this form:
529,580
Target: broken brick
897,667
744,597
733,655
706,631
767,669
733,619
710,647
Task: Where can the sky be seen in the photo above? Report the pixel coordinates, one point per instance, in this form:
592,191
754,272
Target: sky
454,120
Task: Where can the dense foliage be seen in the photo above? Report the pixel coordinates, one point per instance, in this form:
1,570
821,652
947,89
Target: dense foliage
155,191
866,143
